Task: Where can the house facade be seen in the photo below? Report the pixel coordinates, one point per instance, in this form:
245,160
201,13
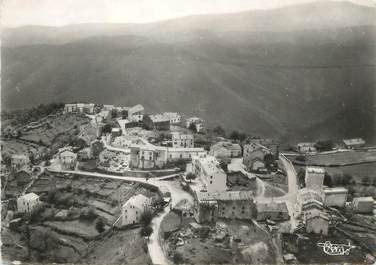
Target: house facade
26,203
210,206
305,148
136,113
254,153
174,117
67,159
198,122
317,222
182,140
356,143
275,211
156,122
335,197
363,204
314,178
133,209
207,168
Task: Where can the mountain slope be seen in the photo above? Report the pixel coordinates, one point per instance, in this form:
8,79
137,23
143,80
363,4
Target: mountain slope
291,83
317,15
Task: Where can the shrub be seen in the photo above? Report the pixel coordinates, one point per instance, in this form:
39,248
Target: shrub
100,225
88,213
146,231
146,217
177,258
190,176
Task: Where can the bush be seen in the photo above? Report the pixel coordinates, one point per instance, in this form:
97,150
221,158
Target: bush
88,213
100,225
190,176
204,232
177,258
146,217
146,231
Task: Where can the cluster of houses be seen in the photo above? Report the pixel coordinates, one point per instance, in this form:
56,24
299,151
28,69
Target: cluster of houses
313,201
310,147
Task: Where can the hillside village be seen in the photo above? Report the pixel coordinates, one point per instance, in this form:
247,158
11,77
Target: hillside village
88,179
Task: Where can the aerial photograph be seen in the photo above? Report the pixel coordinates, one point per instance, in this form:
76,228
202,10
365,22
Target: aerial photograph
162,132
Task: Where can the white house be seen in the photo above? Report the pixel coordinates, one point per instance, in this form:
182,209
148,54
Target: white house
27,202
314,178
174,117
185,140
136,113
196,121
336,196
363,204
66,158
133,208
225,149
207,168
305,148
354,143
317,222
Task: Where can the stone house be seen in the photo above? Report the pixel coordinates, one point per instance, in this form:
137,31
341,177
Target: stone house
136,113
67,159
335,197
26,203
225,149
96,148
182,140
198,122
275,211
210,206
254,153
156,122
317,222
207,168
363,204
314,178
305,148
355,143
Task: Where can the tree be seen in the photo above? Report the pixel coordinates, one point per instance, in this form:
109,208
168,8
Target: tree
177,258
146,231
107,128
190,176
238,136
146,217
327,180
325,145
269,160
99,225
219,131
192,127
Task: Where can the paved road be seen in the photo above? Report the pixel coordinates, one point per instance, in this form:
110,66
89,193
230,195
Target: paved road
292,177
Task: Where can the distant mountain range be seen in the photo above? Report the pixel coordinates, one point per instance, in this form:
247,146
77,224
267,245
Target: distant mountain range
300,72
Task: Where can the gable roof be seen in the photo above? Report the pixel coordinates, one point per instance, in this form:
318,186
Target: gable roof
138,201
354,141
225,196
137,108
271,207
29,196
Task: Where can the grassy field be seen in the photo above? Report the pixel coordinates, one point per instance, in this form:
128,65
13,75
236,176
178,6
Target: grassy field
10,147
341,158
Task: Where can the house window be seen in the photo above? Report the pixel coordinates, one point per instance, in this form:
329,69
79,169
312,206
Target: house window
211,182
224,208
233,208
242,212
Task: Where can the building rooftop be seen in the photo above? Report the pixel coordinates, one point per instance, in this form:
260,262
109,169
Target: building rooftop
355,141
225,196
138,201
307,195
159,118
227,145
317,170
29,196
363,199
136,108
335,190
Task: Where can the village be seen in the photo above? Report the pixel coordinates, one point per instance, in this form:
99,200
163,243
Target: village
92,178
